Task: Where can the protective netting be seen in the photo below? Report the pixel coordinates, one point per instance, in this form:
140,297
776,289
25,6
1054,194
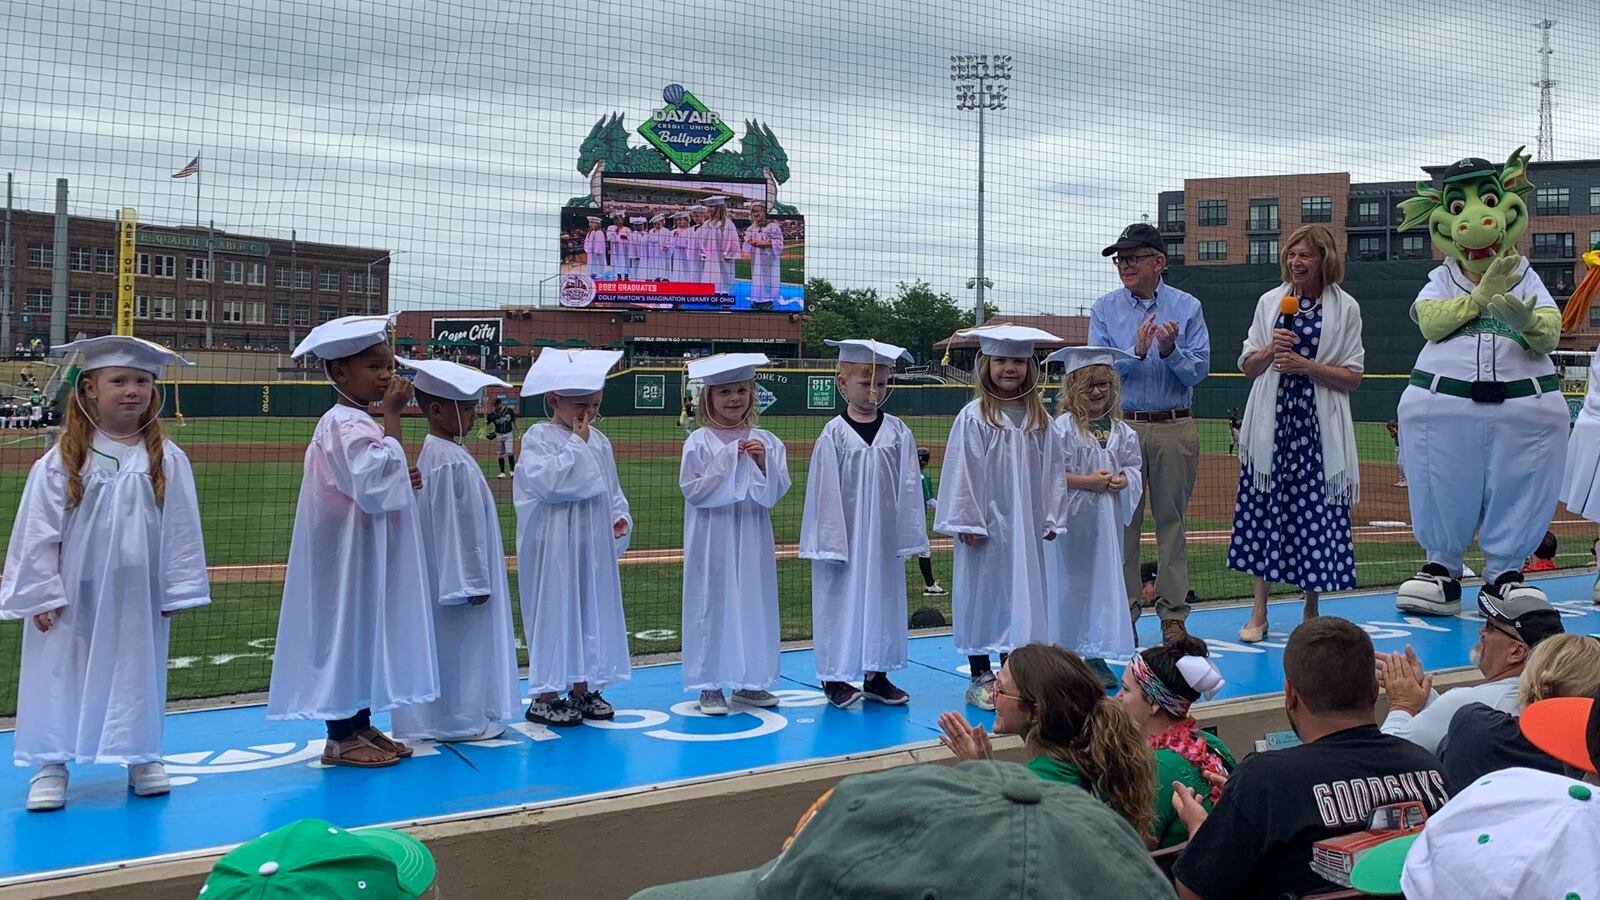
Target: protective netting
442,159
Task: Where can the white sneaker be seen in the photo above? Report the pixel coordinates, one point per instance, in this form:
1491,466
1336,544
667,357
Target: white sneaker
501,475
47,790
713,703
1431,592
934,590
149,779
489,733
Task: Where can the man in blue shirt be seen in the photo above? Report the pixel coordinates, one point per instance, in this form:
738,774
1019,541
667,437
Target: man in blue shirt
1164,328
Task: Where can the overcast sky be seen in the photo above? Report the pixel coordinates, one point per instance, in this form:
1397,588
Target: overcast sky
449,130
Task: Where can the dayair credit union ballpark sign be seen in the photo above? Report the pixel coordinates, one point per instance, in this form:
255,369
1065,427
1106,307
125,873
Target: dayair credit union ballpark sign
684,130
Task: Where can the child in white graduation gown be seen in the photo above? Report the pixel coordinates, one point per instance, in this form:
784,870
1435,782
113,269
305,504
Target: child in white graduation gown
471,600
992,501
106,547
355,634
863,519
572,526
683,263
720,245
764,241
1095,481
594,249
731,476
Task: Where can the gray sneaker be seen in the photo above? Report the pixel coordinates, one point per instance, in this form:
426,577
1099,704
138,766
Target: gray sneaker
764,699
591,705
713,703
980,694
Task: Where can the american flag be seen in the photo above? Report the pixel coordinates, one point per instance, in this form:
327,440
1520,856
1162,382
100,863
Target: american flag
192,168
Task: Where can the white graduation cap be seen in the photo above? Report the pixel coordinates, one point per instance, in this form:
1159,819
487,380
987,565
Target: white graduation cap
1007,340
715,200
344,336
595,219
449,381
699,208
636,220
658,217
619,213
681,214
725,368
869,351
122,350
569,372
1075,358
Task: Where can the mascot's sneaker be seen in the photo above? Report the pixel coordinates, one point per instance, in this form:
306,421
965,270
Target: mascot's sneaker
1509,592
149,779
1431,593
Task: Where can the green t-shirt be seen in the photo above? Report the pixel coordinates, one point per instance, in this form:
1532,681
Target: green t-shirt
1170,767
1051,769
927,487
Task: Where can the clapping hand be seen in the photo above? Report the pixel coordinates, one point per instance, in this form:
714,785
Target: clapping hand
1402,677
1166,336
965,740
1145,334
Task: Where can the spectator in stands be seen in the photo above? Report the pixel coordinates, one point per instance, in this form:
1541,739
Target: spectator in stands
1258,840
1165,329
1158,687
1544,557
1511,629
313,858
1299,468
1567,728
977,829
1077,735
1482,739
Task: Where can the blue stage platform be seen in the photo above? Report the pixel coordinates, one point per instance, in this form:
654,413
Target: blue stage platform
237,775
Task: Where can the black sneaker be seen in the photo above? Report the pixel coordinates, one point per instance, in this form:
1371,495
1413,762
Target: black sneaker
841,694
591,705
555,713
879,689
1431,592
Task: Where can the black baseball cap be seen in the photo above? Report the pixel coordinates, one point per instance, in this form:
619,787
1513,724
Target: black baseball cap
1467,169
1139,234
1532,618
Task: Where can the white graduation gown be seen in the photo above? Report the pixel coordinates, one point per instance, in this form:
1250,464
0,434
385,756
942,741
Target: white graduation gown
992,484
684,260
730,570
356,628
1581,487
567,497
93,689
720,247
764,274
477,647
1088,601
863,518
594,252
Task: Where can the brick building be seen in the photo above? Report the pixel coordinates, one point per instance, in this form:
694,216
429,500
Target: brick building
265,293
1232,221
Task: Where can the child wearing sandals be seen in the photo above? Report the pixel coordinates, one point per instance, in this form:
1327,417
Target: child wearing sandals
572,526
863,518
731,476
106,547
355,634
471,600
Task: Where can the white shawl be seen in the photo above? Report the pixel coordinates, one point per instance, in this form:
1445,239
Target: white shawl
1340,345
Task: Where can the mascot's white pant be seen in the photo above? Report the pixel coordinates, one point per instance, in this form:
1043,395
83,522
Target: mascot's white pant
1490,468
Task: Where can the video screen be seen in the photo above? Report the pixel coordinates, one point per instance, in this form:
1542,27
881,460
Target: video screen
682,242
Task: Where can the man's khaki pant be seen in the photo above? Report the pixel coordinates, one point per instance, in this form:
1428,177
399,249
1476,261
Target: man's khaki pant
1171,452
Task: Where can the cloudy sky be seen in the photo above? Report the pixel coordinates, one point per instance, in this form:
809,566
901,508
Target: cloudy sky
449,130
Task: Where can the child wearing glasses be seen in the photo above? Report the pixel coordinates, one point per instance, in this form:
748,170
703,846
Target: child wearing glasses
1095,481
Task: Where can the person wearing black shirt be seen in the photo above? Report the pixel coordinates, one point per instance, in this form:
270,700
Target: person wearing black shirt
502,423
1258,840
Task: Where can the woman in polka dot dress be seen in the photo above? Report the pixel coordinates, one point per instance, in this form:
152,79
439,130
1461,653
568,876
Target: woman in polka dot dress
1297,446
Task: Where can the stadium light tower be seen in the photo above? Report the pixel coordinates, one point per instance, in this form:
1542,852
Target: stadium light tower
980,81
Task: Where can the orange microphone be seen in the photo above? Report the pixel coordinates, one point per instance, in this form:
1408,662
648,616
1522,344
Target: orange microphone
1287,307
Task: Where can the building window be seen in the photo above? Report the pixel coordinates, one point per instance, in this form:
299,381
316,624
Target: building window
105,305
295,279
1174,213
1175,253
161,308
1213,212
1594,317
81,259
280,314
256,275
232,312
1213,250
105,261
256,313
78,303
358,282
1316,209
157,265
141,307
1367,249
328,280
1413,246
1551,201
302,315
1263,215
1558,278
232,272
327,314
41,256
197,268
194,309
1369,212
1557,246
1263,252
38,301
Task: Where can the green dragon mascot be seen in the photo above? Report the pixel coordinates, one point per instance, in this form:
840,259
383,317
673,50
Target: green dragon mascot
1483,425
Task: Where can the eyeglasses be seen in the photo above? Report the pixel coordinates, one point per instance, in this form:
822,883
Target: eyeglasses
1097,387
1123,262
1493,625
996,692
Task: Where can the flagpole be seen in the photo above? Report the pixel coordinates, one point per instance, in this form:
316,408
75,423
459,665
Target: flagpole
197,192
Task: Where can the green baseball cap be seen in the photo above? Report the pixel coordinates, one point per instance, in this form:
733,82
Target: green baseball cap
314,860
978,829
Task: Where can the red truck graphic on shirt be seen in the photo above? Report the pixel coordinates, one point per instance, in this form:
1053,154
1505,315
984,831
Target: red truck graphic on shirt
1334,857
